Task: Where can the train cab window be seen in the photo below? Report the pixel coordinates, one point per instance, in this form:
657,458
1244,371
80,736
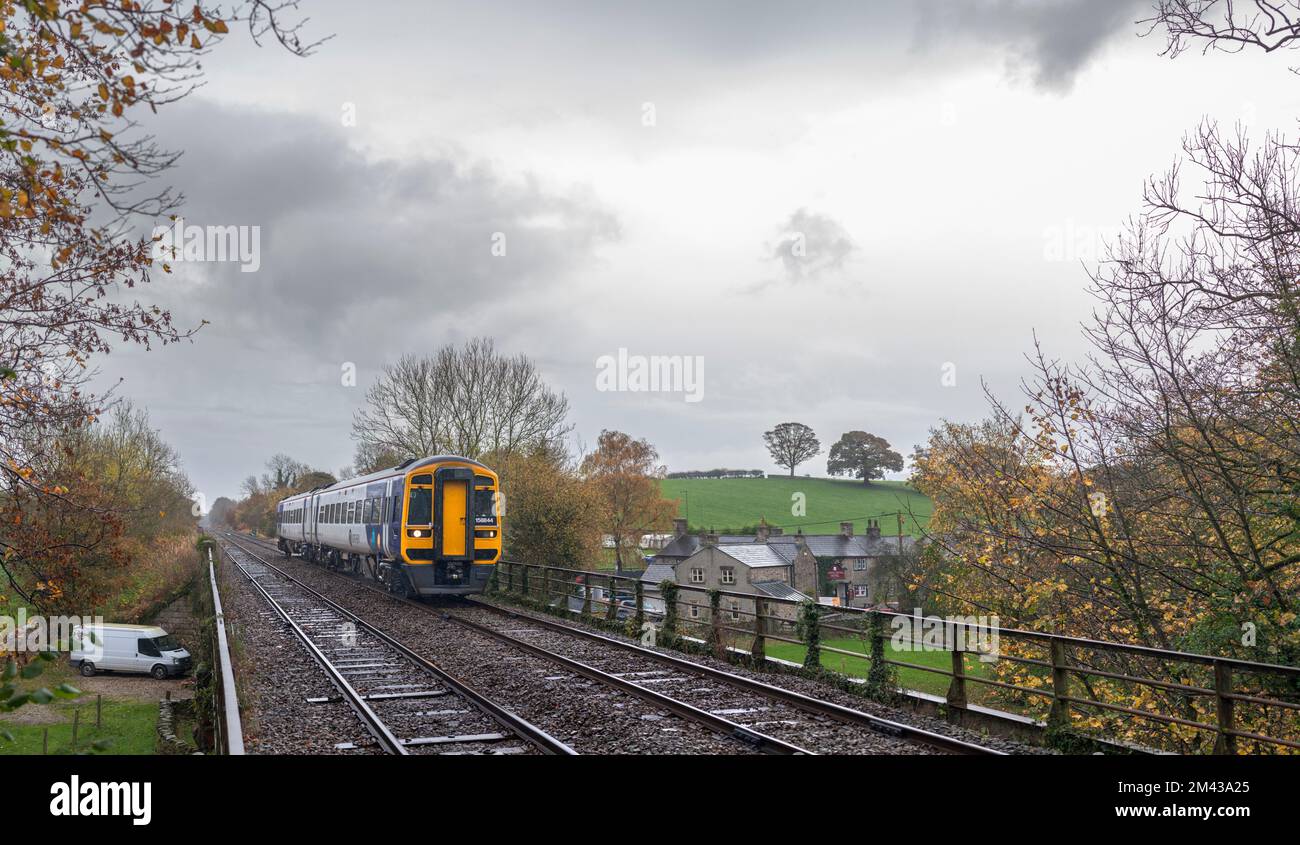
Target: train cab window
420,508
484,510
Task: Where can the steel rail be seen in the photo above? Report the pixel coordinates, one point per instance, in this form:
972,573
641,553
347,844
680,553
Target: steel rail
803,702
526,730
718,724
386,739
806,703
229,696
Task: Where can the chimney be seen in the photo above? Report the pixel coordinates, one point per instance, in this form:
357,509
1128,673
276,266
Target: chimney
799,539
846,529
679,527
708,539
873,530
763,531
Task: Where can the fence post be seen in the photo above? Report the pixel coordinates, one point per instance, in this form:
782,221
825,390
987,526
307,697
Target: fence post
611,608
640,607
668,589
546,586
586,597
957,689
1059,716
523,586
510,576
1226,743
810,633
758,651
715,623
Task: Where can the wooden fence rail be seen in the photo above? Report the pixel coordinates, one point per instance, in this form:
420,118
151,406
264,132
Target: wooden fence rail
1075,676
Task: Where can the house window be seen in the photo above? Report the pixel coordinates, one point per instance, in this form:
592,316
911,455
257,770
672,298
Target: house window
695,611
860,565
860,590
735,612
697,576
728,574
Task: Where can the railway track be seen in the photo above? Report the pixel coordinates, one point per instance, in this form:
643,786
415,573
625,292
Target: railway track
769,717
407,704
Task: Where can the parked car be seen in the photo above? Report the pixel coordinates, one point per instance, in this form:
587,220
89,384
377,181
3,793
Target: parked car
143,649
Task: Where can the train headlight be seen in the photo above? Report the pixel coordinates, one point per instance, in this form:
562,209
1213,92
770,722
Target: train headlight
417,533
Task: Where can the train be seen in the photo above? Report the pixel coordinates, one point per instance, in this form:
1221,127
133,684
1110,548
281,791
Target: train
426,527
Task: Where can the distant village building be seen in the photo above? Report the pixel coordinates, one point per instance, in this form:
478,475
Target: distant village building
794,566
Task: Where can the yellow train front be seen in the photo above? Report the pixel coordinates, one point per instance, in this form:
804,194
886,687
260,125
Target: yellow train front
451,527
428,527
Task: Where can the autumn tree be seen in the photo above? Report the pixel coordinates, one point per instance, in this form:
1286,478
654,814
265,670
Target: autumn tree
222,513
74,167
551,515
283,477
372,457
625,474
1151,493
862,455
790,444
467,400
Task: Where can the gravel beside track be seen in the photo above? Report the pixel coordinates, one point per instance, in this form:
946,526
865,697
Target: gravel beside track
521,672
277,676
588,716
490,609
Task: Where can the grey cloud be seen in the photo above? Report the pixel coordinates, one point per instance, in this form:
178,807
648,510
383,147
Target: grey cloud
811,244
361,260
342,234
1047,40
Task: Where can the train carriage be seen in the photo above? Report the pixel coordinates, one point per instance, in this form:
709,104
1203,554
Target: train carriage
428,527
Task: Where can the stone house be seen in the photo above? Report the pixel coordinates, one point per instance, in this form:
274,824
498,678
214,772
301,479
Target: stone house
843,566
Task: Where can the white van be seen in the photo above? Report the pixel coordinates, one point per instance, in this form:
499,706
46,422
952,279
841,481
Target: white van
145,649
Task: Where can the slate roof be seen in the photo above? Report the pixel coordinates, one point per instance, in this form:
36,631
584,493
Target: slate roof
838,546
752,554
688,544
821,545
778,590
656,572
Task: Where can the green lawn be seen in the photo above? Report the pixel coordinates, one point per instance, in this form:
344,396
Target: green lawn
857,667
738,502
128,725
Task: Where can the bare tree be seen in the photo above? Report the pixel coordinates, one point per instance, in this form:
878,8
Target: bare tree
791,443
468,401
1227,25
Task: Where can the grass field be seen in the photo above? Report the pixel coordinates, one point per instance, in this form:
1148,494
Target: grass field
738,502
857,667
129,725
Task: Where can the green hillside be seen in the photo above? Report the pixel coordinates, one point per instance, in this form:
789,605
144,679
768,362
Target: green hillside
738,502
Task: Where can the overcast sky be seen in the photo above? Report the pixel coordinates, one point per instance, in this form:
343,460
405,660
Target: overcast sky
948,164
